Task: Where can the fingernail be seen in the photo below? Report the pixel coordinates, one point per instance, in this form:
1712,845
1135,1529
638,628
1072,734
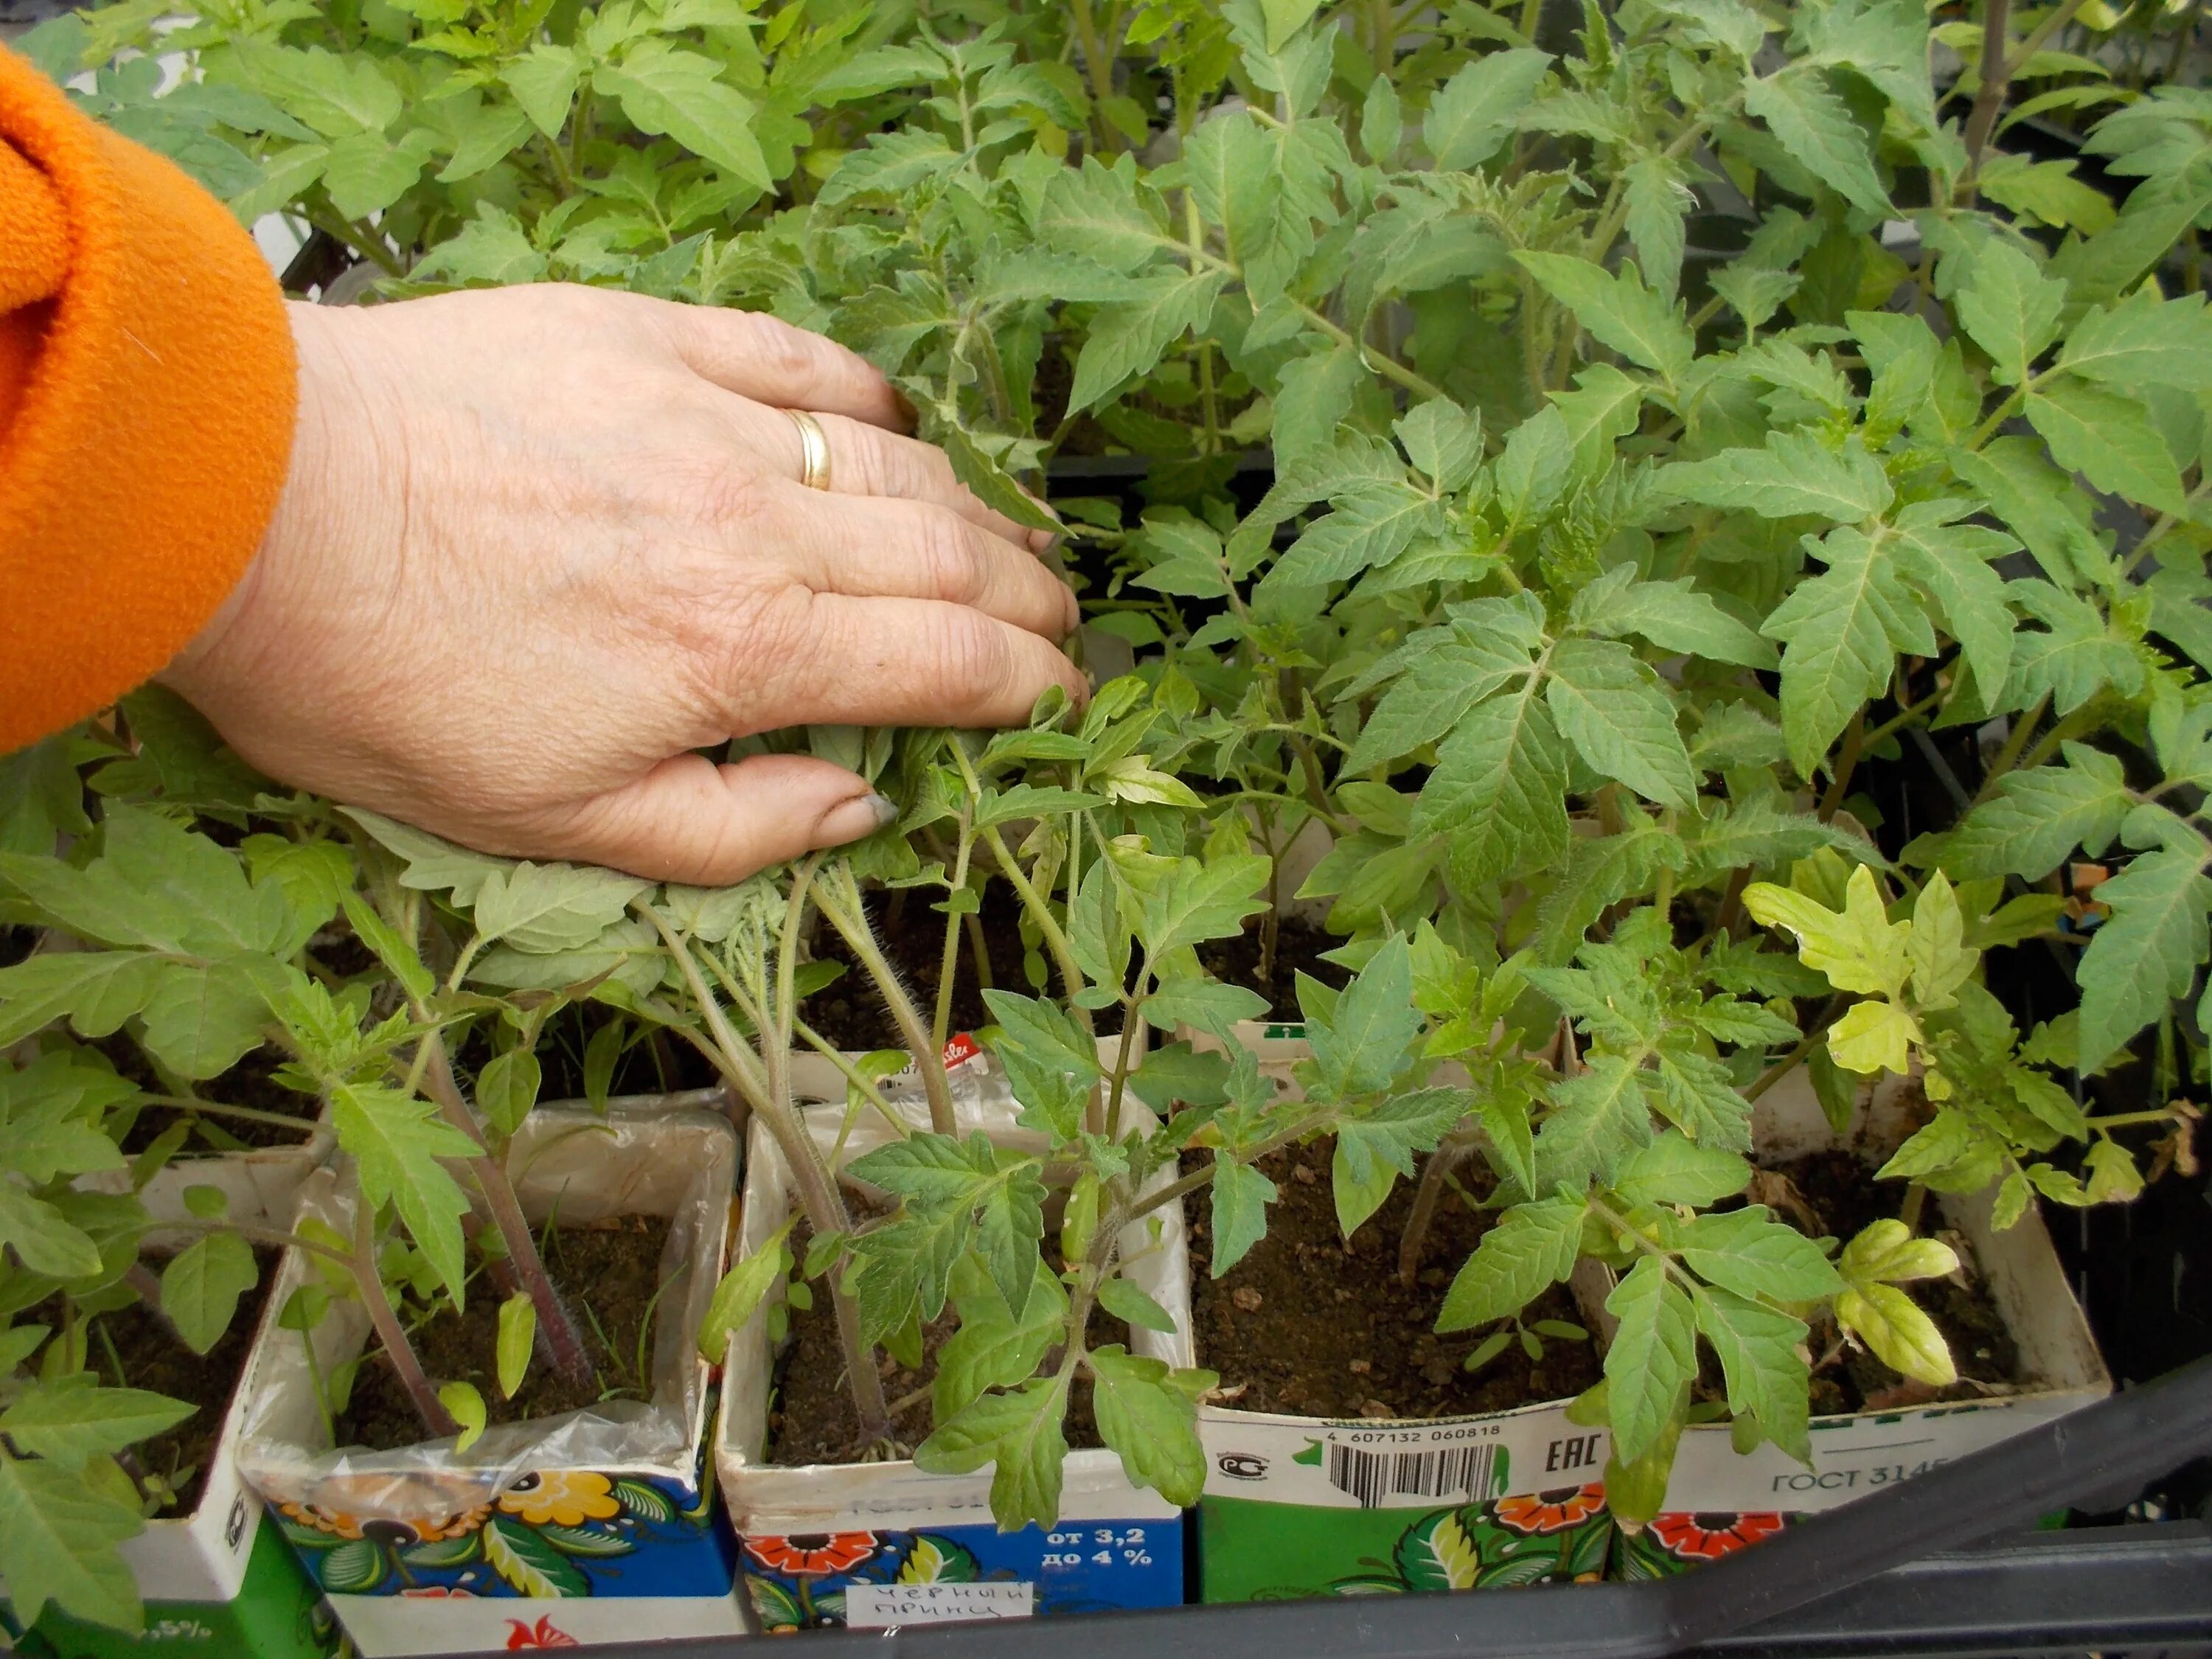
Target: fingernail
851,820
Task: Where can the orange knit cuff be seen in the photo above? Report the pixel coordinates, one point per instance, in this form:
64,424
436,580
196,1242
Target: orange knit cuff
146,408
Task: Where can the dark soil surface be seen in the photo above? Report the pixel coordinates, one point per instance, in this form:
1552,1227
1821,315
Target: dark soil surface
810,1418
1298,946
1836,1188
1333,1333
616,1267
152,1357
850,1014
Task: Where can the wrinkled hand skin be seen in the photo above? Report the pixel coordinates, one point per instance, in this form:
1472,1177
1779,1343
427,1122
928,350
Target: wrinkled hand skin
537,545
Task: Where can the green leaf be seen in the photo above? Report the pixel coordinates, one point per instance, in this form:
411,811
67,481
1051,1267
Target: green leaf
1605,407
1619,311
1612,710
42,1238
517,1334
2010,308
432,866
1149,1415
2038,816
95,990
467,1407
1436,691
1473,113
1842,630
201,1286
396,1141
2143,341
1767,1376
2147,953
1498,791
993,1348
1532,1246
1373,1152
665,88
1531,473
1675,1170
1127,1303
391,948
1815,126
1902,1337
543,82
2040,503
552,907
72,1419
1020,1431
1201,902
506,1088
1672,615
2109,438
57,1538
1652,1358
1126,341
1795,473
1749,1252
1366,1041
1239,1210
1601,1121
1657,199
1950,563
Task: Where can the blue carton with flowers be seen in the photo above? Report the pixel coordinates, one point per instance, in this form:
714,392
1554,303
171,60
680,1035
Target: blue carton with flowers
591,1526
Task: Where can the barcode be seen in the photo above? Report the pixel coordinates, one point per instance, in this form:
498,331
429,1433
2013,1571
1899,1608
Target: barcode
1373,1476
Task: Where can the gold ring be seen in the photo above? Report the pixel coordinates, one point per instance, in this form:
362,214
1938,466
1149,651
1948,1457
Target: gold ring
814,449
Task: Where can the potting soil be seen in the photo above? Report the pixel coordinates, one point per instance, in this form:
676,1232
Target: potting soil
1298,947
1312,1324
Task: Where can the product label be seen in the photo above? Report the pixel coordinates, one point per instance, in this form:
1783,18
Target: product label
1395,1465
886,1607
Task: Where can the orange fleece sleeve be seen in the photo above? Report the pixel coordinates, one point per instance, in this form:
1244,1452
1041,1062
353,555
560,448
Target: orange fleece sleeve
147,385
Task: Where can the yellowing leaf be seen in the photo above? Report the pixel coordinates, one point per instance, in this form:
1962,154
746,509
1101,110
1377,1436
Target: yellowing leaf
1902,1337
1859,948
1873,1037
1886,1252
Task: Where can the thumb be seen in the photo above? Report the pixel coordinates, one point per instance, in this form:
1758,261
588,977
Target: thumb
688,820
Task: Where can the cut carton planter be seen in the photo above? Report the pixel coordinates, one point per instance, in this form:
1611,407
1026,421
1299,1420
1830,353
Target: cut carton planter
1718,1502
260,1186
882,1545
595,1526
218,1583
1298,1506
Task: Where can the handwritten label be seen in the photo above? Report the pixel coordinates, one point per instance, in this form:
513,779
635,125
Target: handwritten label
883,1607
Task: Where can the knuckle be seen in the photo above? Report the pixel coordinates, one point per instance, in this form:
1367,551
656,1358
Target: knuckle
952,567
971,656
790,356
763,660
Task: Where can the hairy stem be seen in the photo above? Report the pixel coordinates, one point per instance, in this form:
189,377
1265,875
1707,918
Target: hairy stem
390,1333
847,913
1989,99
1435,1173
560,1339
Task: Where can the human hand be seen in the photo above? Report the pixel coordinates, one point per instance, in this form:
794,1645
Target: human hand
538,543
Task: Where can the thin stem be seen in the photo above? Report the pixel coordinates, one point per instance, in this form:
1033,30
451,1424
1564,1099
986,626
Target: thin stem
1055,938
306,1126
2023,726
948,960
1847,760
1415,1237
1989,98
852,1075
928,1057
1790,1062
558,1333
390,1333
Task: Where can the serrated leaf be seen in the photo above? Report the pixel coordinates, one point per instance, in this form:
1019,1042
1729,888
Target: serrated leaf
1434,693
2147,953
1126,341
2039,816
1842,630
1652,1357
1749,1252
665,88
1612,709
1473,113
1873,1037
1020,1432
42,1237
1617,311
1675,1170
1532,1246
1815,126
2143,341
1497,794
993,1348
396,1141
1766,1375
1149,1415
1859,948
1239,1212
1673,615
72,1420
1372,1152
1795,474
57,1538
1601,1121
2109,438
2010,308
